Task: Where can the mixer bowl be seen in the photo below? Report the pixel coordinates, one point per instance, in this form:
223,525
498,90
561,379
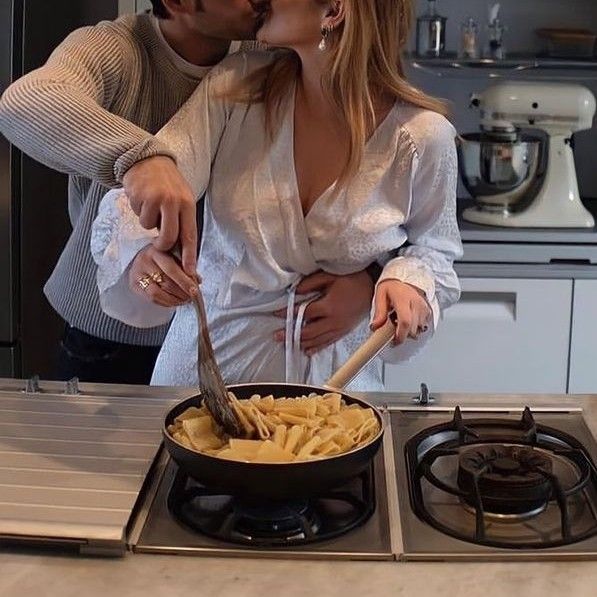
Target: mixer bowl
499,174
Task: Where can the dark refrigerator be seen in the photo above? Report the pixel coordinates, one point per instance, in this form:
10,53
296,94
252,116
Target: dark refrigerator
33,199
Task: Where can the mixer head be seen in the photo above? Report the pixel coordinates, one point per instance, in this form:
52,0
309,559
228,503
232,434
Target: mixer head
552,107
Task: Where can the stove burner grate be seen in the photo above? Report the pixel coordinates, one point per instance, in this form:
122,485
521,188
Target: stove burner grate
272,524
503,471
508,480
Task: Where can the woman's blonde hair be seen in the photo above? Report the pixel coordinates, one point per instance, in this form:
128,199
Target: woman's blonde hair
365,64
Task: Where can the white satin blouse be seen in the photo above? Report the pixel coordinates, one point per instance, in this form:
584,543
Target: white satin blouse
257,245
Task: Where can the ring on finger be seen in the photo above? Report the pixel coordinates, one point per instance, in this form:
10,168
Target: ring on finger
144,282
157,277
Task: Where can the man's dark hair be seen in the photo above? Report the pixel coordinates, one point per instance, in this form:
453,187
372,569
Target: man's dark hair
159,10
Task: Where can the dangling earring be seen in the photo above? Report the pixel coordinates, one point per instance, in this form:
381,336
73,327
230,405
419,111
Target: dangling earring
325,31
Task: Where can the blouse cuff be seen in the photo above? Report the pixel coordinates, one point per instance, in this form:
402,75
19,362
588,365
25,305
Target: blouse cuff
117,238
411,271
415,272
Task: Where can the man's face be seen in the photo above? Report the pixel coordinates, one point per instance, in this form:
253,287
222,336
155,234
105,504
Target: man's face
229,19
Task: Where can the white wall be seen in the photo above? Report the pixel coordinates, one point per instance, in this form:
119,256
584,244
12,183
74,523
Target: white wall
143,5
128,6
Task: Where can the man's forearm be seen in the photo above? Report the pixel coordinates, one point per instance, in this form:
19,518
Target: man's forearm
59,114
67,130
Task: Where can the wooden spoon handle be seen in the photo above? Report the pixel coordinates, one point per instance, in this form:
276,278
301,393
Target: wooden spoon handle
363,356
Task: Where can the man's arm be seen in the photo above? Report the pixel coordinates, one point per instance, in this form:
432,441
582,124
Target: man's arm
59,113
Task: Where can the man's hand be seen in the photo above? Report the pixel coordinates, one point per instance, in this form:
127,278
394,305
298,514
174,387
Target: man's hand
158,277
162,199
410,305
344,301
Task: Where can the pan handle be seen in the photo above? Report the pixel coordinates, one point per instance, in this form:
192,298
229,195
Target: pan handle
363,356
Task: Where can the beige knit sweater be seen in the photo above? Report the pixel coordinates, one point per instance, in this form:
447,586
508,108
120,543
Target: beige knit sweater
104,90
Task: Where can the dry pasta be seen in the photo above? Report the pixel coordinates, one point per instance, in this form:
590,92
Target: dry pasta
279,430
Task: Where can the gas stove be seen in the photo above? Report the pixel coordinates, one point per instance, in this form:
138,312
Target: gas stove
496,485
461,478
350,522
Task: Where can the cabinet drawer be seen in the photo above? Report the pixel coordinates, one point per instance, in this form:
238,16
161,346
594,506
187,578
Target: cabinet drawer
505,335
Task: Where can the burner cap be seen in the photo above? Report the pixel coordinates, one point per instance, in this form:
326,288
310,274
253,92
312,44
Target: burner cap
506,466
285,521
511,479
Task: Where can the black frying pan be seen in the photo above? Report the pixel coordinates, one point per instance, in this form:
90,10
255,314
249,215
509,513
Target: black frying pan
285,480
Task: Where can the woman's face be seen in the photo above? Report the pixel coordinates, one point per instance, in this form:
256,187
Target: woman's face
293,24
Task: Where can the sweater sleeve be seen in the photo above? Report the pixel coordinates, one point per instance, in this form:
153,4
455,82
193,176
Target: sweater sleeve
60,113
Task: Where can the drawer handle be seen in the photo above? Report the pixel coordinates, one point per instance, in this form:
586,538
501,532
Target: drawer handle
485,306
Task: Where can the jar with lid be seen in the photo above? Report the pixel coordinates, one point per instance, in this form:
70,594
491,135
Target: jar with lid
469,40
431,32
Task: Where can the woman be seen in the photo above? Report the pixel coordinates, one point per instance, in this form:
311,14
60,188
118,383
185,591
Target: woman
320,156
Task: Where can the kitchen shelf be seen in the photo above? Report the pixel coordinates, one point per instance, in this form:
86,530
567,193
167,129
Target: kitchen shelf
515,64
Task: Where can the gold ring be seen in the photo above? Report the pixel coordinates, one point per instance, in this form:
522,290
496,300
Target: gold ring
144,282
157,278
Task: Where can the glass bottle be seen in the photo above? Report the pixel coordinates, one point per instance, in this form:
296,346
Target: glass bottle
431,32
495,43
469,39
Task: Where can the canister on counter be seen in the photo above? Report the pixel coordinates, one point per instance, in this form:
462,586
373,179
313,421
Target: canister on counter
431,32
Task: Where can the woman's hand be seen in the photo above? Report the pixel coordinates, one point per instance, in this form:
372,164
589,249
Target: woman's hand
159,277
412,310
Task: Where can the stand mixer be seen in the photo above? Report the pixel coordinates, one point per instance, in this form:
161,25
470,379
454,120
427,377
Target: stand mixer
526,178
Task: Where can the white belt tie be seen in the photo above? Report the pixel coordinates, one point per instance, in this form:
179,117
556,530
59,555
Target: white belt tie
293,335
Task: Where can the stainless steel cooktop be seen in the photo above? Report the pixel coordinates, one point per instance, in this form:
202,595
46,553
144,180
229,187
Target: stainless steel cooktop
534,473
160,532
464,478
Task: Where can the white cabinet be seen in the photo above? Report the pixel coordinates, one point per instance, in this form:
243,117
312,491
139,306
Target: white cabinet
583,344
505,335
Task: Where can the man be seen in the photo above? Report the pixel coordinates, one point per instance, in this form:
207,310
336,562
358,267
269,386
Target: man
108,87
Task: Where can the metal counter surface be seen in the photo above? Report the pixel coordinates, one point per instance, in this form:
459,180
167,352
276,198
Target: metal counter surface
60,574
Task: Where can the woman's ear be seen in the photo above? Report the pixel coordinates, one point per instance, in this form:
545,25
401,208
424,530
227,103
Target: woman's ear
335,15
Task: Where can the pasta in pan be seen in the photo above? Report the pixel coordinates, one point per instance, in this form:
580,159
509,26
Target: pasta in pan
280,430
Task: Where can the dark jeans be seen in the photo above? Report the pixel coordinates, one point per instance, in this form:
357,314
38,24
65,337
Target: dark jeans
96,360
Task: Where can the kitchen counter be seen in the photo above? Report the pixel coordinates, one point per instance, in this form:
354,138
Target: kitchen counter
502,252
48,574
471,232
148,575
